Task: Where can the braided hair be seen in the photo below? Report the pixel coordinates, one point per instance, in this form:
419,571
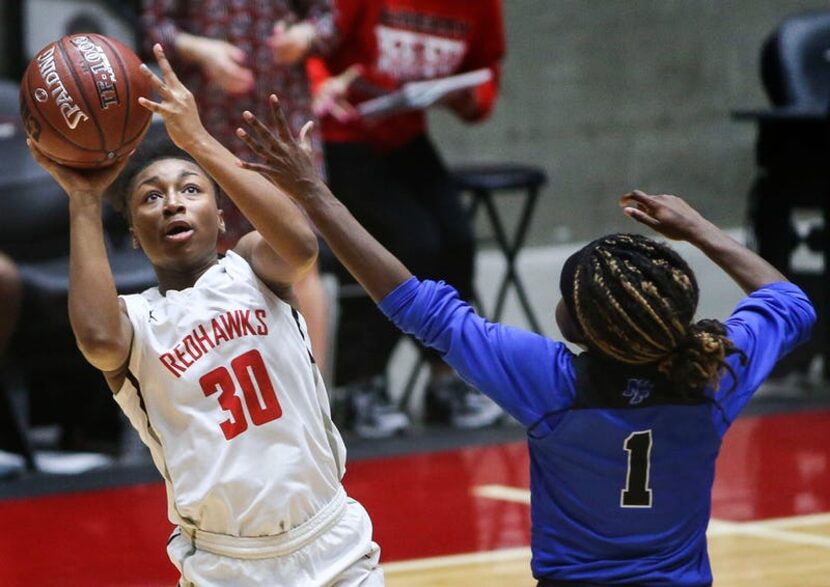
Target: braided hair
634,300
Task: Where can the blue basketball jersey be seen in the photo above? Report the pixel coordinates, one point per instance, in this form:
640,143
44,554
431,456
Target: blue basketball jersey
622,480
621,470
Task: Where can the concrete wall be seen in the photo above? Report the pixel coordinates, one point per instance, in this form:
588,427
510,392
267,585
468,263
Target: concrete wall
608,95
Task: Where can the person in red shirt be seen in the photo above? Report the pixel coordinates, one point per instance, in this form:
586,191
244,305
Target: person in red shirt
390,176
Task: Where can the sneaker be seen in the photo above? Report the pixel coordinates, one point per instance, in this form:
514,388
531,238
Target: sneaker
368,411
11,465
451,401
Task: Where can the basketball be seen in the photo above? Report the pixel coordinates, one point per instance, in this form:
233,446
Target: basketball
79,100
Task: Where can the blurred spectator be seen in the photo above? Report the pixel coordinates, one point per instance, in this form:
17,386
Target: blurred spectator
392,179
232,56
11,295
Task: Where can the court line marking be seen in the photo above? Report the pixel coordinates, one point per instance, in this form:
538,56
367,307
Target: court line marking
794,521
522,553
757,531
503,493
720,528
773,528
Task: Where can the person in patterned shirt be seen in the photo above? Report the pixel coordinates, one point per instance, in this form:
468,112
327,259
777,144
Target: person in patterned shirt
232,54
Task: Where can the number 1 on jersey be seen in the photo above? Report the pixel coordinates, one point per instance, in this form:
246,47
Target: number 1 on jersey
637,493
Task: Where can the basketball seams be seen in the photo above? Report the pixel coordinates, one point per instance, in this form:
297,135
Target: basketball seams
127,86
121,83
138,134
70,67
44,120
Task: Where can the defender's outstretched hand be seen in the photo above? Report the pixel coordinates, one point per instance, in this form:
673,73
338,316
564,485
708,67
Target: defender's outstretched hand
176,106
669,215
287,162
674,218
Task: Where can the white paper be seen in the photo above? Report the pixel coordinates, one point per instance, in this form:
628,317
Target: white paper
422,95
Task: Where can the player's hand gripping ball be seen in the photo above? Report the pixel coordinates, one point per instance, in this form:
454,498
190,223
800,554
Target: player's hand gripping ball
79,100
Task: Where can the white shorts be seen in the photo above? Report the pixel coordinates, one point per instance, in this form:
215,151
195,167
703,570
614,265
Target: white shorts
344,555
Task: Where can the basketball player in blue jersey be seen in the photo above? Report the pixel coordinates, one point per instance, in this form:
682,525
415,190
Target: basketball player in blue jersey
213,367
623,437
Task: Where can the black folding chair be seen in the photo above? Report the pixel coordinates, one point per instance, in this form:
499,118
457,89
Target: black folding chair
792,154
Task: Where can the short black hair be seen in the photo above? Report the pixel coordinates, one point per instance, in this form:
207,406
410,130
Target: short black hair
148,152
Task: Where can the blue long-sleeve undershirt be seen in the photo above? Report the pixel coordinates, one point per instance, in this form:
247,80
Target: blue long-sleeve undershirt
530,375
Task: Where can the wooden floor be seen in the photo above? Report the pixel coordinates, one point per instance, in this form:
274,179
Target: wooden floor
788,552
458,517
771,506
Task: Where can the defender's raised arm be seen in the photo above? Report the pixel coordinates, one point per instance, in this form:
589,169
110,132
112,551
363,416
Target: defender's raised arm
288,165
674,218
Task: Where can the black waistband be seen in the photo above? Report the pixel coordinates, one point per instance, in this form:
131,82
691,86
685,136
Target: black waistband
553,583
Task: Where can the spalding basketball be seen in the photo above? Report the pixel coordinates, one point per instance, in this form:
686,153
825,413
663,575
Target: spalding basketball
79,100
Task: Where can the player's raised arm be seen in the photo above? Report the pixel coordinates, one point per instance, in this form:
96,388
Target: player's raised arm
288,247
287,163
674,218
102,329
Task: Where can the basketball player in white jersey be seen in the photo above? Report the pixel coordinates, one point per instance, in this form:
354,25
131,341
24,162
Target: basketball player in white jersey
213,367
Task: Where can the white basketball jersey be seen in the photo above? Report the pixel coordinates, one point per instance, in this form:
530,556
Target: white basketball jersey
223,390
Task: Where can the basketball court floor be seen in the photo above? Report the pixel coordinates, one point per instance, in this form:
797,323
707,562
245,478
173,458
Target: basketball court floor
451,507
455,517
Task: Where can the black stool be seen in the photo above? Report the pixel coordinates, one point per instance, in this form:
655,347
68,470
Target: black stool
484,183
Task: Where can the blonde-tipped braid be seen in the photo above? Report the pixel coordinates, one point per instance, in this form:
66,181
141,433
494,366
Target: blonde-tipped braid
634,300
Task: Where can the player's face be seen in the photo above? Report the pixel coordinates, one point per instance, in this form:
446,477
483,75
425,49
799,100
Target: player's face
174,215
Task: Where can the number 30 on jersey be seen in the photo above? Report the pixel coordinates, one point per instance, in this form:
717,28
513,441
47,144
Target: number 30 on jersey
250,375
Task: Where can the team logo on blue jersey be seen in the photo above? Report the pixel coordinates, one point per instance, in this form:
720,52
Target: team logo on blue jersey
637,390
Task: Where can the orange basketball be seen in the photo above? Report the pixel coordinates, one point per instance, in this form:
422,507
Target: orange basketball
79,100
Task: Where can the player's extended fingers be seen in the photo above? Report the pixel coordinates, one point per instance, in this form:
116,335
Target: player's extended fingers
253,144
641,216
63,175
261,168
37,154
150,105
155,80
305,136
279,118
42,159
167,73
637,196
262,133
